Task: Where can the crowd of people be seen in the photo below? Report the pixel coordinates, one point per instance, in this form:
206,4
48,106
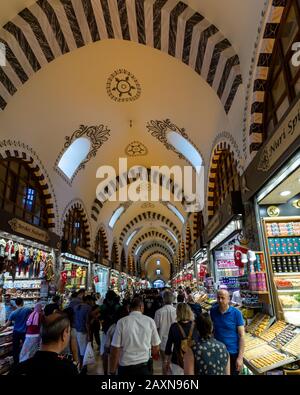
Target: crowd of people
166,325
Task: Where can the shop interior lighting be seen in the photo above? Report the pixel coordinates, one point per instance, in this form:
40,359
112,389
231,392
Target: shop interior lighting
75,257
25,242
230,228
172,234
287,170
285,193
175,211
131,237
115,216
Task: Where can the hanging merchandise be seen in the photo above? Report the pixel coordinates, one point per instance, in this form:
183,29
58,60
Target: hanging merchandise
240,255
74,271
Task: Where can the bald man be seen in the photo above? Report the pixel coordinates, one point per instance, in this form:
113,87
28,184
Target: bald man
229,329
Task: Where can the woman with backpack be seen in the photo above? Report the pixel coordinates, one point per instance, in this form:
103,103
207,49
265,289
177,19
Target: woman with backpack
208,356
182,334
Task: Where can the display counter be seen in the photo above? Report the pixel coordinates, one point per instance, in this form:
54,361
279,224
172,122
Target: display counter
270,345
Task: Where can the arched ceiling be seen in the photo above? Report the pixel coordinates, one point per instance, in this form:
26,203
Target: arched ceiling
70,94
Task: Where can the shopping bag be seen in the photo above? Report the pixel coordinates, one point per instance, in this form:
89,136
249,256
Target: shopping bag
89,357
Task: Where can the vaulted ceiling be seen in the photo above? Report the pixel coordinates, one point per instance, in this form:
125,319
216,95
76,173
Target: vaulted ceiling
115,70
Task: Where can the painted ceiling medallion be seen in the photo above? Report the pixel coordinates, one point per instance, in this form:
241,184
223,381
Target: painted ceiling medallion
135,148
122,86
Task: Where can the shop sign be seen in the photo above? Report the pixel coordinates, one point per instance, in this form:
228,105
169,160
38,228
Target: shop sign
28,230
284,136
277,149
82,252
231,206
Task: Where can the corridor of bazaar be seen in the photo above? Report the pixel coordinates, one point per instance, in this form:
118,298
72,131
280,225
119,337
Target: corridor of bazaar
149,187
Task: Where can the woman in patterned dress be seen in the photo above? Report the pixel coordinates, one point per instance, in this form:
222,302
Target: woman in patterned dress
208,356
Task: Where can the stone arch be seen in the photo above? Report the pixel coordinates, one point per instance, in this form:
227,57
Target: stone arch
46,30
117,183
78,204
114,256
18,150
152,234
261,72
103,241
123,261
217,151
143,217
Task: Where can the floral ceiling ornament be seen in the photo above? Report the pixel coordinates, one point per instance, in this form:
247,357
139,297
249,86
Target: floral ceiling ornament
122,86
159,130
136,148
97,135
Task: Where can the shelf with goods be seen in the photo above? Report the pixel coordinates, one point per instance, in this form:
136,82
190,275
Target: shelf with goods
6,350
27,265
282,240
268,348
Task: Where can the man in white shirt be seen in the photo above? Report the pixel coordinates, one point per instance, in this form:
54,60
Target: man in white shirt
164,318
134,340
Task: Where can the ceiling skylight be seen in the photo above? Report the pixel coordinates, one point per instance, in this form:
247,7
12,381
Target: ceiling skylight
138,249
131,237
172,234
176,212
185,148
115,216
74,155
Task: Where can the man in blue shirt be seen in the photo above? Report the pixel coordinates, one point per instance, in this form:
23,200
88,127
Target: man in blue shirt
18,318
9,306
229,329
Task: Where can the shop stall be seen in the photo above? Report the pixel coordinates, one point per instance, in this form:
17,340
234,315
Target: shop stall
74,272
100,279
27,270
114,280
222,235
275,191
27,260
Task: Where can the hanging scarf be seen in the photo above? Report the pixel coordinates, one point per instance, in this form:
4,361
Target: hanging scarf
33,319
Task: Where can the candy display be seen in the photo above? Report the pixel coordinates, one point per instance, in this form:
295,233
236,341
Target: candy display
258,327
252,342
293,347
258,351
284,337
273,331
283,229
258,317
268,360
290,301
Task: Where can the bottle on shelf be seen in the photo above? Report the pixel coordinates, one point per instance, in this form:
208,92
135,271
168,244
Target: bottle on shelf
278,265
273,262
284,265
294,264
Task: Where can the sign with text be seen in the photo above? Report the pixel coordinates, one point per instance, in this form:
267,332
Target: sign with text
282,138
28,230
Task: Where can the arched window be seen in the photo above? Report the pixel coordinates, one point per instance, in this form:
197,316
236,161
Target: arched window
284,79
226,178
74,229
74,155
21,194
115,216
185,148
